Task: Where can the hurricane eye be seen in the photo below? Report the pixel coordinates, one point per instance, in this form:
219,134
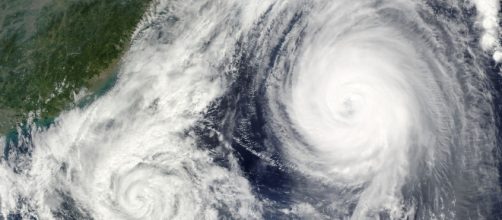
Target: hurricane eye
250,109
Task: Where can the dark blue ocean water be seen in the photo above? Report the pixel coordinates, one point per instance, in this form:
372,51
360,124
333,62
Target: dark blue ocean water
242,117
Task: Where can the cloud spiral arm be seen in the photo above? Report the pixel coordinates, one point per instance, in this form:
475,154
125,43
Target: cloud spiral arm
277,109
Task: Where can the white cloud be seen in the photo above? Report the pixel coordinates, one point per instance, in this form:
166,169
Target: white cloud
488,19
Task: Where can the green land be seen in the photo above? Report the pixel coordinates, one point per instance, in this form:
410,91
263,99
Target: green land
51,49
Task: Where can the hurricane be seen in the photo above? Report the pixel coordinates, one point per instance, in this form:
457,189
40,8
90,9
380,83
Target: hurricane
367,109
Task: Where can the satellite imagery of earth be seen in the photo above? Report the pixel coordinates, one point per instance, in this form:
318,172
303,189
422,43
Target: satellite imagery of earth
250,109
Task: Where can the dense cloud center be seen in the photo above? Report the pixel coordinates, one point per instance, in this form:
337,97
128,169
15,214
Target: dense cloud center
279,110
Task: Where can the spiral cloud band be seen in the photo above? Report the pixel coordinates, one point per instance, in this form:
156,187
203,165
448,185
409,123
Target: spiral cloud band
363,97
368,109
